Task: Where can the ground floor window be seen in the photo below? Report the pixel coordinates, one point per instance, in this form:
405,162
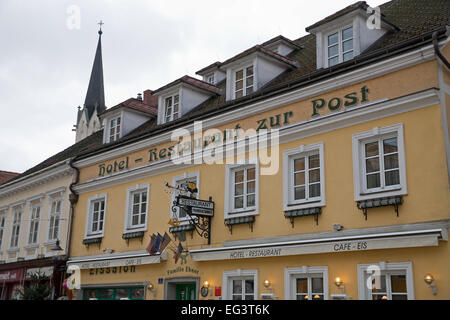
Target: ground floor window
385,281
133,293
306,283
240,285
392,287
242,289
309,288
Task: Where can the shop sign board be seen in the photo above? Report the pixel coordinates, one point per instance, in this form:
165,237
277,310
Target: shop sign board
14,275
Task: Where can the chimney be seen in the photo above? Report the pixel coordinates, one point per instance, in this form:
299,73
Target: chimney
150,99
139,96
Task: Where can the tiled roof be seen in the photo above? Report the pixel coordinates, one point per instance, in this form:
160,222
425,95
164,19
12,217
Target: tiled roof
7,175
415,20
193,82
280,38
260,48
90,143
134,104
210,67
357,5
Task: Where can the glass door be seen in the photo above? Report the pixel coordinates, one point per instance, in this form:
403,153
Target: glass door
185,291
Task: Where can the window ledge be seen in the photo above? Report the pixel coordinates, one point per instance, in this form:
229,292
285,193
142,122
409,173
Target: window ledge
303,205
133,235
365,196
12,250
229,222
183,227
379,202
92,240
31,246
313,211
240,214
50,243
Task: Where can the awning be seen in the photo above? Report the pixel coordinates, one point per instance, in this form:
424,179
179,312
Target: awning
116,261
393,240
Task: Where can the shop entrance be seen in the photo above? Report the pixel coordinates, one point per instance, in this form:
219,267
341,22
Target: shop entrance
181,288
185,291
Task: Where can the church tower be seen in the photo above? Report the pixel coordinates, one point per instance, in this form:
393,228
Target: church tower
88,121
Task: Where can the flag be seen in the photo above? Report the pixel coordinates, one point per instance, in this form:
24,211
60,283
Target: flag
178,252
165,241
158,241
151,245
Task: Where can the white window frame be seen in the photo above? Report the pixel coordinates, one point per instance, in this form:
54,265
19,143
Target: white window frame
117,133
56,215
341,52
291,274
230,212
128,228
364,293
359,174
33,221
244,79
210,78
171,116
288,184
3,217
89,216
16,209
229,276
175,180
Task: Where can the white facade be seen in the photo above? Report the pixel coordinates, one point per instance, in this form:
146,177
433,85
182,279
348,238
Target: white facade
47,190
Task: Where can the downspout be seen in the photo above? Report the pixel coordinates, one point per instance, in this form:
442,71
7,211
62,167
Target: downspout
438,52
444,89
73,198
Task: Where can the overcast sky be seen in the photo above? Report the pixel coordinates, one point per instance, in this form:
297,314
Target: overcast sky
46,55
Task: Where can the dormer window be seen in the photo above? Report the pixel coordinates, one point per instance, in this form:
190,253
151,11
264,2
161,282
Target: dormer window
181,96
252,69
172,107
210,79
340,46
345,34
212,74
127,116
244,82
114,129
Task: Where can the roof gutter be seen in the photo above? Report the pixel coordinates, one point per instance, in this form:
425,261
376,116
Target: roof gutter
438,52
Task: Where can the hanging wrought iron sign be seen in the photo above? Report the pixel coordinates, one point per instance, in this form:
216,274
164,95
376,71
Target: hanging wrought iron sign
198,207
199,212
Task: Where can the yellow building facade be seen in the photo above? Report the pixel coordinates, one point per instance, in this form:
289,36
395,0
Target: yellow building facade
351,201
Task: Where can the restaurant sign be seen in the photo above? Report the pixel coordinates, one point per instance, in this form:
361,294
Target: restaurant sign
313,248
15,275
118,262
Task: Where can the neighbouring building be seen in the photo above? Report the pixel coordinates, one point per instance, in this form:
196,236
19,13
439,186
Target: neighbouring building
320,171
7,175
36,208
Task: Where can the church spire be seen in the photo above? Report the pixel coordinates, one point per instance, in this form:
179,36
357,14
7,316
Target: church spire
95,97
88,121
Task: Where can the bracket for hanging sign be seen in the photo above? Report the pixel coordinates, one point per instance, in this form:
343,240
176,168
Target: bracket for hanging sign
199,213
